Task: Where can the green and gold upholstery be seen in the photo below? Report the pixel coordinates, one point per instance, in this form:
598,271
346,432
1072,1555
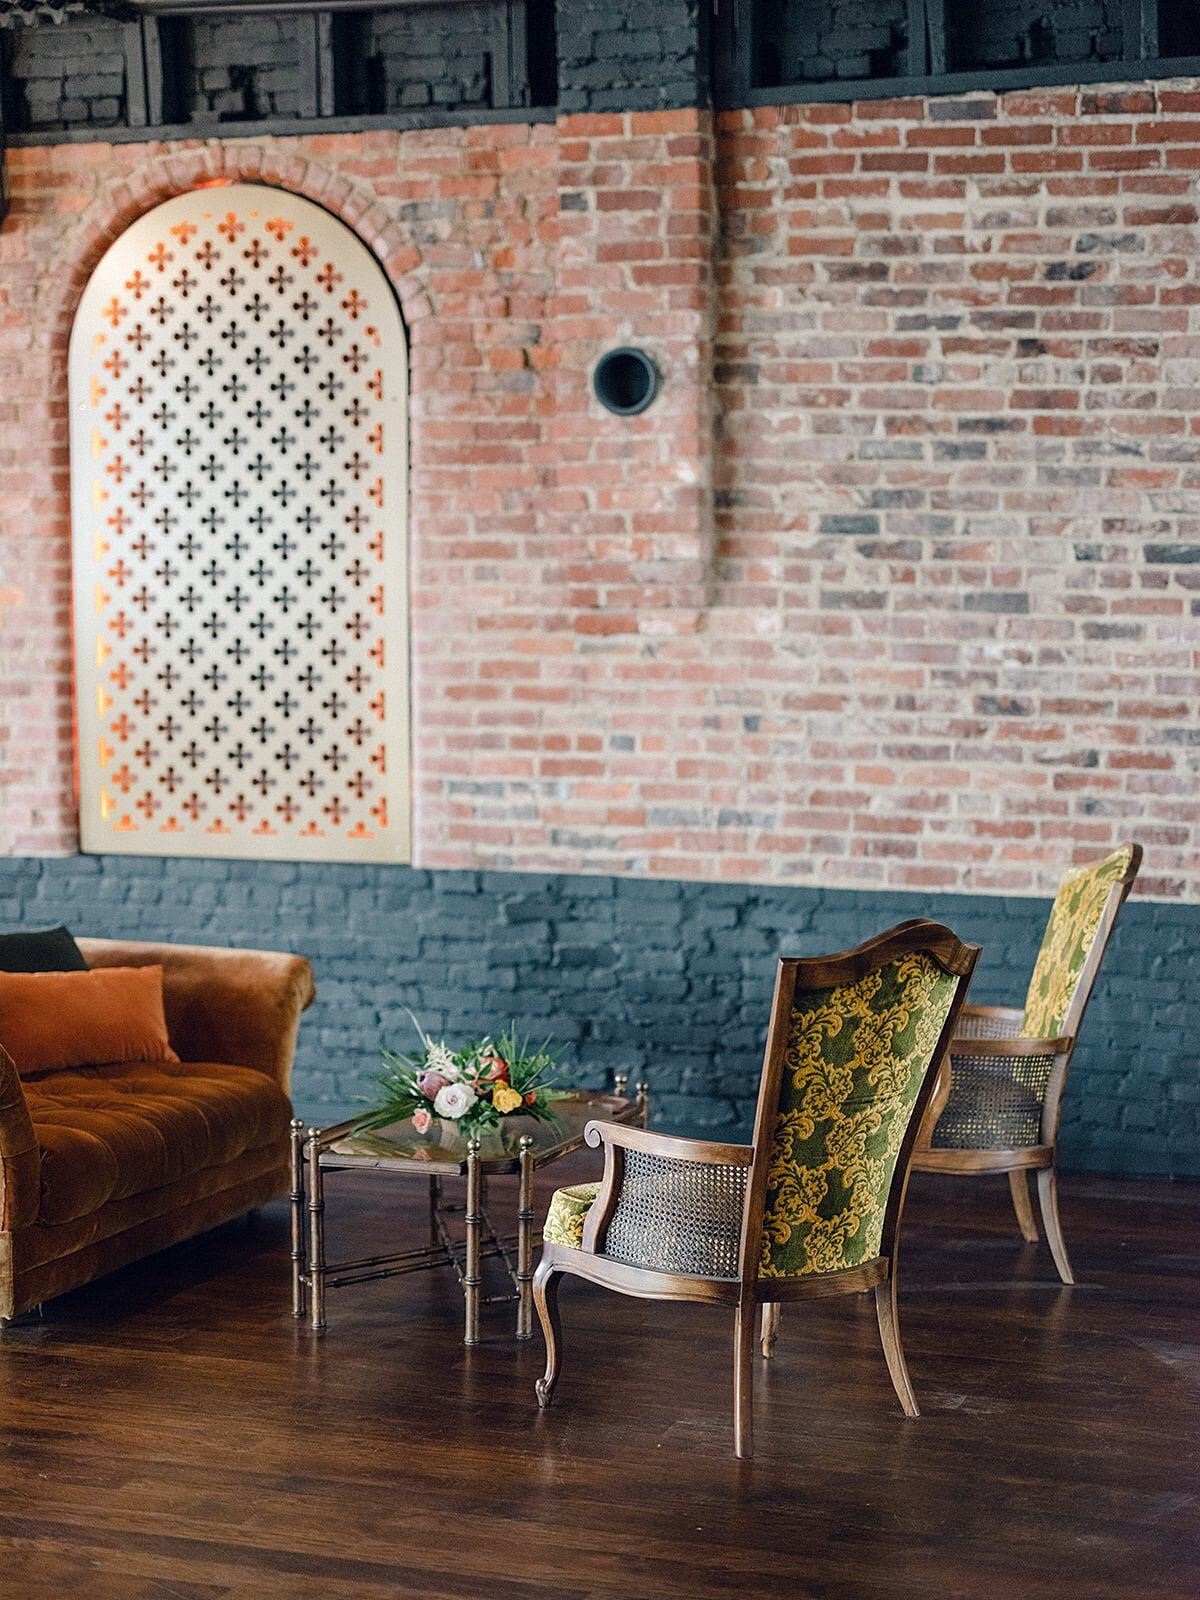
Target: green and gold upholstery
568,1213
856,1057
996,1101
1067,943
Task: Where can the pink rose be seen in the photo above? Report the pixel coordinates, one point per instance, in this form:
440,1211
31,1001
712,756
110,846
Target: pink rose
430,1082
454,1100
422,1121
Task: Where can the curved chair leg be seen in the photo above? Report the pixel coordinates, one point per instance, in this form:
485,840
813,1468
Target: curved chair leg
545,1298
770,1327
893,1350
743,1382
1021,1205
1048,1200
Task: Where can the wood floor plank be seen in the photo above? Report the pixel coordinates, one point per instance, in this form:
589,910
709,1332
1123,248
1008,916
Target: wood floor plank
172,1432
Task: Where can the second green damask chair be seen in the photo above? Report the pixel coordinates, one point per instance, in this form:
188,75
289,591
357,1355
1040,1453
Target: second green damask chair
997,1103
812,1207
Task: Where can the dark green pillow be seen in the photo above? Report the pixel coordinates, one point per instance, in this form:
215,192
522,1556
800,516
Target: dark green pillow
51,950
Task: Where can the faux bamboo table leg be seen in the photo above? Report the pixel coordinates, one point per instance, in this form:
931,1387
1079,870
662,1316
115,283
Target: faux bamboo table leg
297,1198
472,1221
643,1103
316,1231
525,1241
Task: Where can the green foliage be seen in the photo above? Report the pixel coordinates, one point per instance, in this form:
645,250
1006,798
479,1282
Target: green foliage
476,1086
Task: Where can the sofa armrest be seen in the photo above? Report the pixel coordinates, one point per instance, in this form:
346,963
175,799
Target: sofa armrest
238,1006
20,1153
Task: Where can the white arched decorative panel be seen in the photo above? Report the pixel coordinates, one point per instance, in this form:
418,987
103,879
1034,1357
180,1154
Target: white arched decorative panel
238,380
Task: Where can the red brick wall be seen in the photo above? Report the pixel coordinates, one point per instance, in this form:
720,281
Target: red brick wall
897,583
959,496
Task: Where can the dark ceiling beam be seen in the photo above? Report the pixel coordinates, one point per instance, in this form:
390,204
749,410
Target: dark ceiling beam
190,8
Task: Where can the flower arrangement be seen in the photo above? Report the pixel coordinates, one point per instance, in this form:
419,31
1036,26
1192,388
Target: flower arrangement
476,1087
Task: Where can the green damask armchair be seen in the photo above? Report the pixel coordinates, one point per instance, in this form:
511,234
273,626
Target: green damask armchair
998,1099
812,1207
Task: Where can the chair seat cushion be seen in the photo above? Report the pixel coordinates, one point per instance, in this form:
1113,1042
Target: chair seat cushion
568,1213
122,1129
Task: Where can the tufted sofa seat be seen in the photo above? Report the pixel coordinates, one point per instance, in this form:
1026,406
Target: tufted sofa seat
101,1165
107,1133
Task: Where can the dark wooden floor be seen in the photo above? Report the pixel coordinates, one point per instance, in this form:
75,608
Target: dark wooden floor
172,1433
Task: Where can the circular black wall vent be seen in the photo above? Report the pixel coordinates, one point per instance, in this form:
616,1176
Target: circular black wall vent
625,381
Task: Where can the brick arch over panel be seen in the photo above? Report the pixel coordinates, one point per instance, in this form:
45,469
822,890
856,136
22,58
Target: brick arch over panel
107,218
238,388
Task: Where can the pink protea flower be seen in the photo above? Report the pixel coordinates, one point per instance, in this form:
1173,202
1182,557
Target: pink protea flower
430,1082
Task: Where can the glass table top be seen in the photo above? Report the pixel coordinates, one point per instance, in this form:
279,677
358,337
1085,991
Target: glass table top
444,1148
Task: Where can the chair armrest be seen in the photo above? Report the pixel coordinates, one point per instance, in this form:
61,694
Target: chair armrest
989,1022
20,1153
672,1157
670,1145
1009,1047
236,1006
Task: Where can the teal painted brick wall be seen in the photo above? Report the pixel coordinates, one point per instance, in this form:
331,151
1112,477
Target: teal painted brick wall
670,980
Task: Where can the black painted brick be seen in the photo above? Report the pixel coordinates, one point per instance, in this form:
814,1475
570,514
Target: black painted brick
439,56
630,55
963,111
612,55
802,42
70,76
1011,33
670,980
241,69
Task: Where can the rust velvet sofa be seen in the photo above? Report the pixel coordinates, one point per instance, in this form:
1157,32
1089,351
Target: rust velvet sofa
104,1164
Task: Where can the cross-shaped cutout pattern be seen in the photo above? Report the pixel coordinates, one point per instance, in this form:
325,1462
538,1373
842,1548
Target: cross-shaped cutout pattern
239,493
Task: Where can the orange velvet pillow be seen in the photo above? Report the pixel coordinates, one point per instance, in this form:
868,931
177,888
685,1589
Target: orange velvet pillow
51,1020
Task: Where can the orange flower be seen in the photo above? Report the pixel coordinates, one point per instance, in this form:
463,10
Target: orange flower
494,1068
530,1097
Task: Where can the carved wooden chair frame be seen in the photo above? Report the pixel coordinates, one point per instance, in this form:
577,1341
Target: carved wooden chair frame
747,1291
995,1032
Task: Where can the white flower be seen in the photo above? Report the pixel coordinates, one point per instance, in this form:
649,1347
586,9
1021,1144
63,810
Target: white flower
454,1100
439,1059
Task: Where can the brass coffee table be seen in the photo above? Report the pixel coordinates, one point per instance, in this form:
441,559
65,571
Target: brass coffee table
518,1146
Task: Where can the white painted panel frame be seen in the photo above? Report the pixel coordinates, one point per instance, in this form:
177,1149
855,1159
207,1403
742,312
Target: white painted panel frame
239,486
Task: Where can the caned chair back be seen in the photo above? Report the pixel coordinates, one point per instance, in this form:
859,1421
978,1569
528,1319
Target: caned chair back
1010,1100
845,1084
1081,921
